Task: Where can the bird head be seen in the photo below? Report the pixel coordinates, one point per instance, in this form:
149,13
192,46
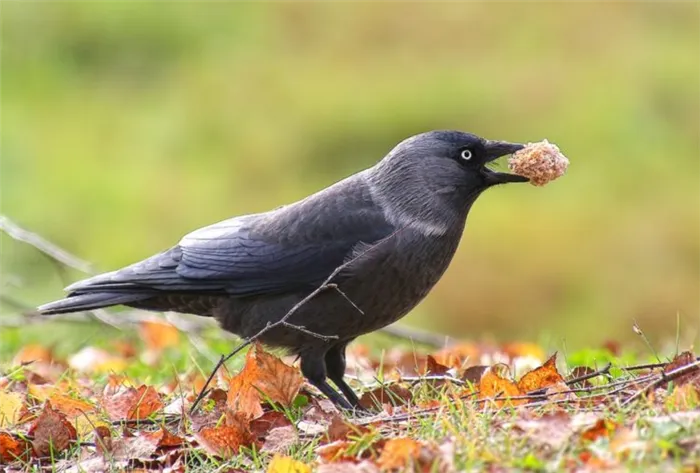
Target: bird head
438,175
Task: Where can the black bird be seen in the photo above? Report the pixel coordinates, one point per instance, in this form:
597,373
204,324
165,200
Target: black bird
395,225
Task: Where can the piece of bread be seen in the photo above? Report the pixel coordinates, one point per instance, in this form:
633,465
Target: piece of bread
541,162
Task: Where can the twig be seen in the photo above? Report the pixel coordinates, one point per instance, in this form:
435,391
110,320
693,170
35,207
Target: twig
55,252
604,370
663,378
326,285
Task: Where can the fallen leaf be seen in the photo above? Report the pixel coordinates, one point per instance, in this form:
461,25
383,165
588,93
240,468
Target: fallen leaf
543,377
551,429
473,374
270,420
163,438
262,373
392,395
523,349
435,368
496,383
52,432
68,406
681,360
10,408
336,451
602,428
224,441
402,453
280,439
13,448
341,429
210,410
132,404
32,353
280,464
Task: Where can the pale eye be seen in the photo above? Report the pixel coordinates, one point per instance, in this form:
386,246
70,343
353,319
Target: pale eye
466,155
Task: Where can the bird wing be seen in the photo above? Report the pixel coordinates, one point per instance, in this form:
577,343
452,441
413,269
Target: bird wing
287,249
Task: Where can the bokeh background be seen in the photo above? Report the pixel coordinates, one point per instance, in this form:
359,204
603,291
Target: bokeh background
127,124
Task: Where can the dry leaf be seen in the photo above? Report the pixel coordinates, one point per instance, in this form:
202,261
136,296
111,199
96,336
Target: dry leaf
402,453
280,464
262,373
270,420
681,360
224,441
455,356
70,407
13,448
132,404
280,439
335,451
159,335
495,382
52,432
392,395
542,377
10,408
341,429
602,428
349,467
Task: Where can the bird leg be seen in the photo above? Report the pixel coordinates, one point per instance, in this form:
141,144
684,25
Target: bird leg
313,368
335,365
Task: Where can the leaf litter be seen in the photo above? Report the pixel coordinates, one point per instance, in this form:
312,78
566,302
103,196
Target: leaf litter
466,406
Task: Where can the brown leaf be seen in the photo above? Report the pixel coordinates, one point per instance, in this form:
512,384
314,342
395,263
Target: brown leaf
280,439
681,360
336,451
349,467
473,374
435,368
52,432
495,382
543,377
552,429
210,411
270,420
341,429
579,372
13,448
392,395
262,373
224,441
163,438
132,404
401,453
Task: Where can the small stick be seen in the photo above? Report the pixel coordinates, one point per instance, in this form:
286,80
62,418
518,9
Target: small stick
663,378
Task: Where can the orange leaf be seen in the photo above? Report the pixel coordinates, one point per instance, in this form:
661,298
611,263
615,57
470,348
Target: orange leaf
542,377
132,404
262,373
69,406
13,448
159,335
455,356
223,441
495,382
401,453
32,353
162,438
392,395
52,432
602,428
336,451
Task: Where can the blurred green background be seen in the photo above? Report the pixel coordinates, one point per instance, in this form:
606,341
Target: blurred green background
127,124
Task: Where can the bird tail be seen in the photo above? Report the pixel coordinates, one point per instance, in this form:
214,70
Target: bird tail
89,301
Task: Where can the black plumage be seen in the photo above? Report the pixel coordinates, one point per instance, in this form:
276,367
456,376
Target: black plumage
395,226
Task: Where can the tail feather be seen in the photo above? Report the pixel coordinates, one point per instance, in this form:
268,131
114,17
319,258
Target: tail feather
89,301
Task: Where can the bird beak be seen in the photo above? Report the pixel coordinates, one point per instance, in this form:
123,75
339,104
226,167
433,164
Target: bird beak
494,150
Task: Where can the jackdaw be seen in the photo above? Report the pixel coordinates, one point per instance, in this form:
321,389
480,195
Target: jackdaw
393,228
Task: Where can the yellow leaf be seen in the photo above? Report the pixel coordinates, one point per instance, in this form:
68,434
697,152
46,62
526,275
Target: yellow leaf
280,464
10,406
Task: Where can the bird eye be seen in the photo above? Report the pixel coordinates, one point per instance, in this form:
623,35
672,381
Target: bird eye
466,155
